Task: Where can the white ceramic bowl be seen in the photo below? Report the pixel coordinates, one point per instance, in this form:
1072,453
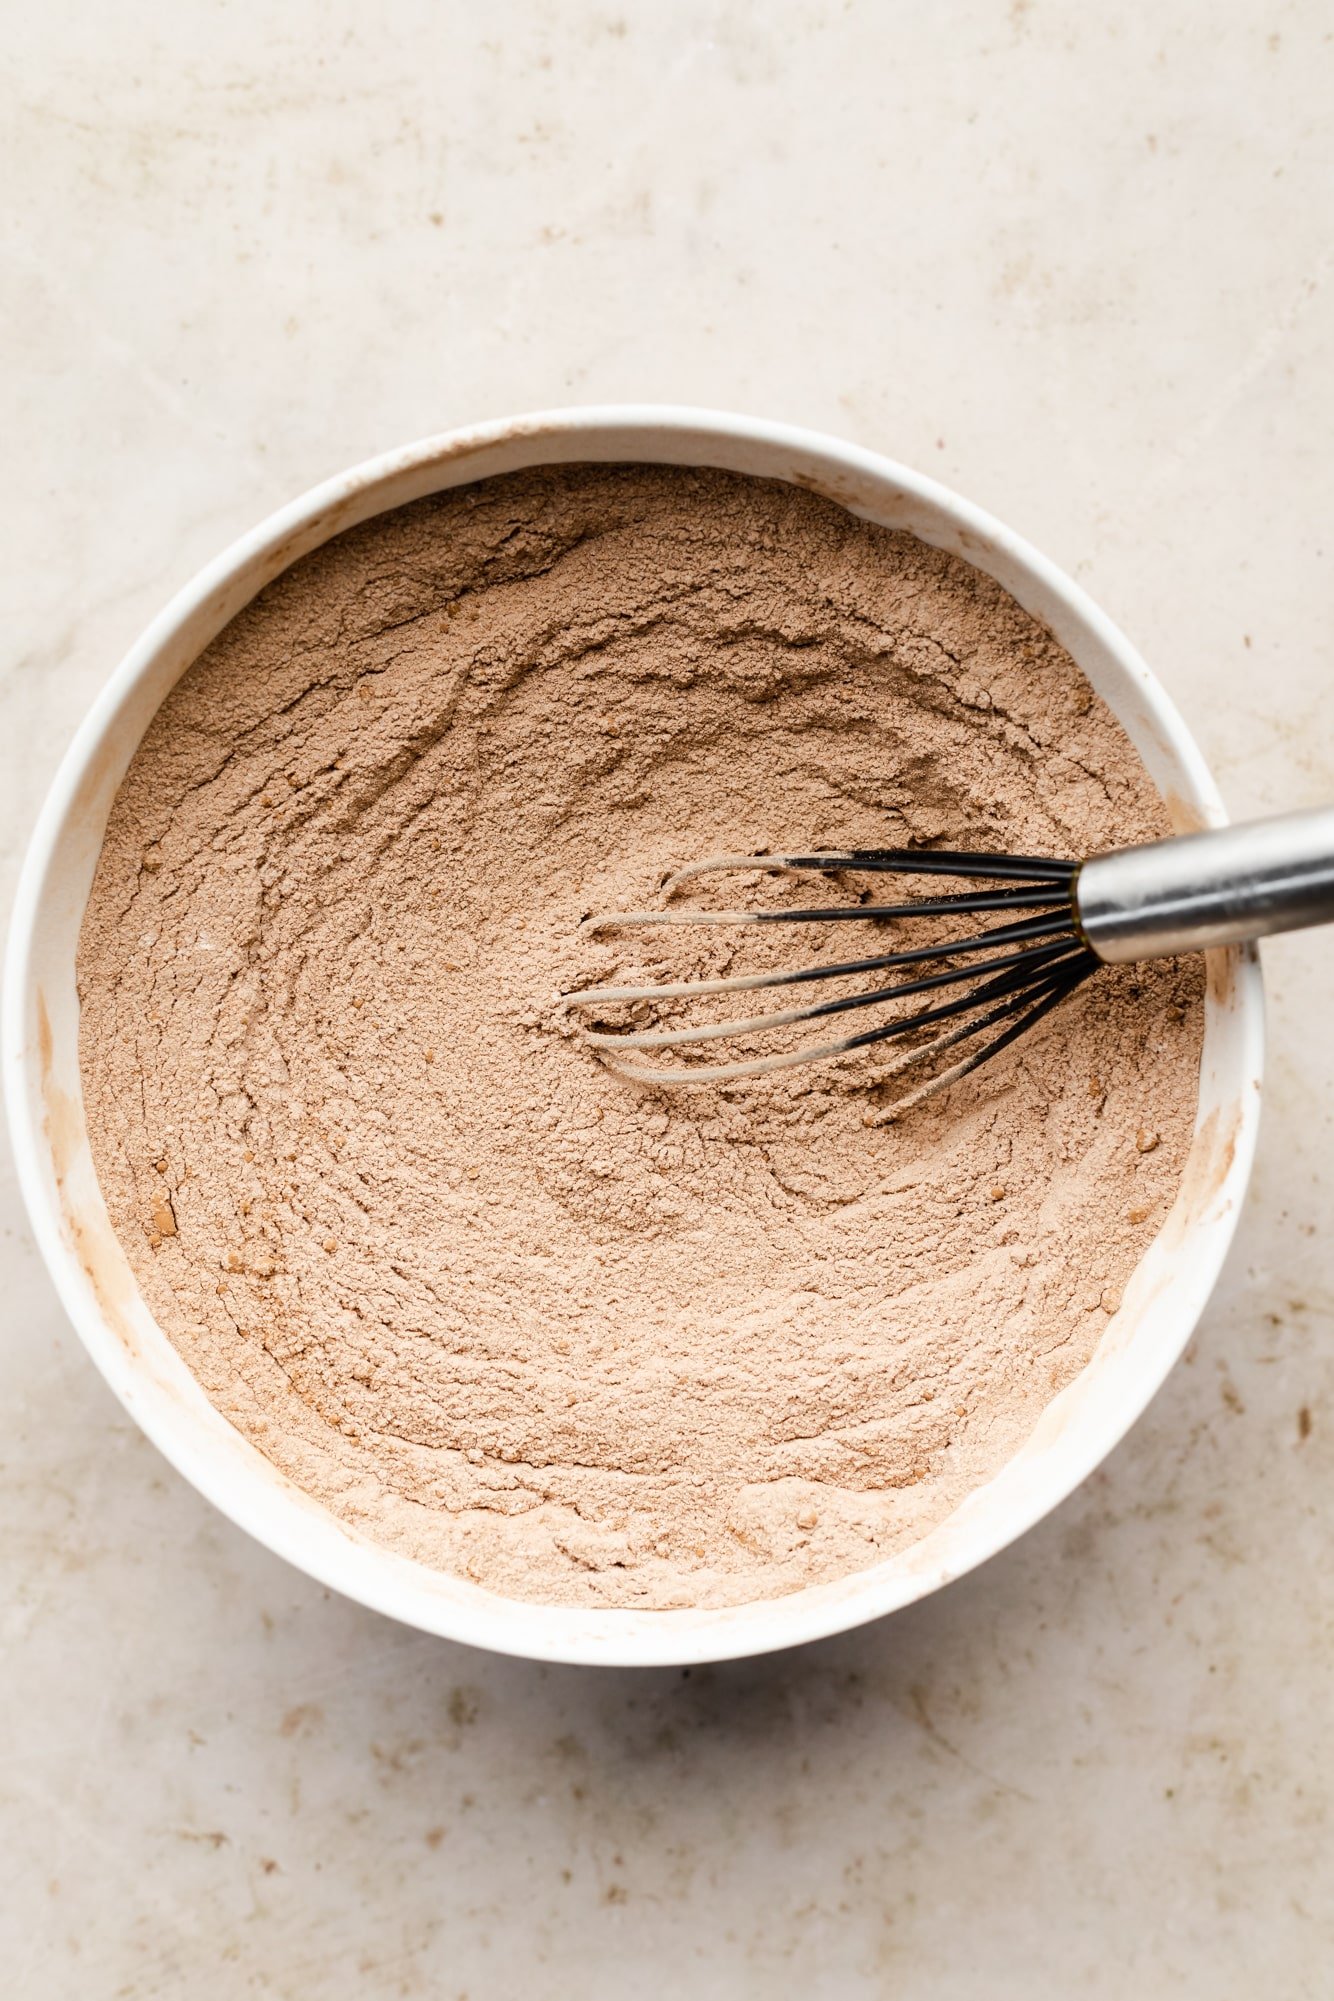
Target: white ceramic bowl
40,1054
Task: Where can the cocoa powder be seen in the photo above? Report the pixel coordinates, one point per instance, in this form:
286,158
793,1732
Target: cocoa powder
492,1304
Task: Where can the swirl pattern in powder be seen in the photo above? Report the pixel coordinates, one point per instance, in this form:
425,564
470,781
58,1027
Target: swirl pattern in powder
492,1304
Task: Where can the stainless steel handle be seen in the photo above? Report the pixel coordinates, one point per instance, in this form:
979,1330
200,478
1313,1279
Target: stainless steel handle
1218,888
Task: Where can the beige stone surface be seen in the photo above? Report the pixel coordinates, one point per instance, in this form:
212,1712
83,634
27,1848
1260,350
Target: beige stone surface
1076,261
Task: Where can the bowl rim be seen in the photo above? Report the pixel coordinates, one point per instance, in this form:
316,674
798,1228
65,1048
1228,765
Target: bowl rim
271,1509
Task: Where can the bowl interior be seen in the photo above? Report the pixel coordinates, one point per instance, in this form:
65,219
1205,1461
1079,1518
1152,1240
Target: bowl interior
40,1045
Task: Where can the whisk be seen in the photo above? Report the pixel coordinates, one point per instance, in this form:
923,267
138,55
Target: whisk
1059,922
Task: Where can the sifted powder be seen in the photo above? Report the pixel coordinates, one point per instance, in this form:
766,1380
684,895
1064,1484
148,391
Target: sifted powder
491,1303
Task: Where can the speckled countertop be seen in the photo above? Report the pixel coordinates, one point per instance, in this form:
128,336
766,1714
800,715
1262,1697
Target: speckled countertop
1077,262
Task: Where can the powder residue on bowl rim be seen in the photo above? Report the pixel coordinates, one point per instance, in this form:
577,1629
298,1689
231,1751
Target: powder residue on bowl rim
511,1314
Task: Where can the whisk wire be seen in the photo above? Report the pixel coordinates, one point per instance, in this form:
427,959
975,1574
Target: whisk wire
1058,983
1006,934
662,1038
958,1071
841,913
897,861
1017,986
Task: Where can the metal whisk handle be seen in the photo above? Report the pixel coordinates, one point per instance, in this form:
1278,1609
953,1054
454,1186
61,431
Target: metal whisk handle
1219,888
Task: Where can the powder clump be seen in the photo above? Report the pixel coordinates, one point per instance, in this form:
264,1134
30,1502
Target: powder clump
578,1340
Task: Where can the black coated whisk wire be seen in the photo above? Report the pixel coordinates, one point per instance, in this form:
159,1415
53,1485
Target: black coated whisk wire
1018,986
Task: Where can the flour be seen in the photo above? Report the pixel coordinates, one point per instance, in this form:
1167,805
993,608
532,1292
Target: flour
492,1304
